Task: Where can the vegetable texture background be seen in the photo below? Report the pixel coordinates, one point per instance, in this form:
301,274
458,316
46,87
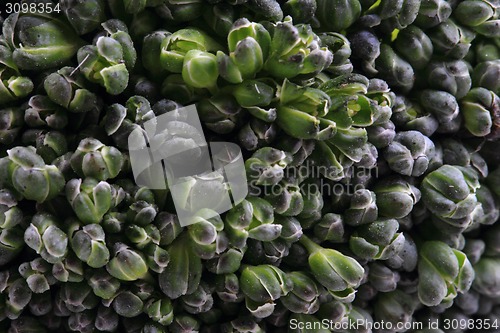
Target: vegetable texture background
370,132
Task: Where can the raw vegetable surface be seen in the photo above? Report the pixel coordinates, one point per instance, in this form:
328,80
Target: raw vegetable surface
369,132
